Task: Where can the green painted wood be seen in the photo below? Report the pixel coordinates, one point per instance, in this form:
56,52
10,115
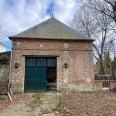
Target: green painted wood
36,73
29,78
40,79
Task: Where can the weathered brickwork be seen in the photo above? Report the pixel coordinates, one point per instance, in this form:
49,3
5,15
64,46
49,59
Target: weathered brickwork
77,54
99,84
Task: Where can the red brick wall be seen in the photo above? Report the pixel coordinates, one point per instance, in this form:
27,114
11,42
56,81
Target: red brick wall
99,84
78,55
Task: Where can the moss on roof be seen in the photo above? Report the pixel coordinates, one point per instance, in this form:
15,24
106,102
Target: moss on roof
51,29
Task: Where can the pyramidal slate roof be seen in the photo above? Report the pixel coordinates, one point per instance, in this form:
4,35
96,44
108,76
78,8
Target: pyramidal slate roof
51,29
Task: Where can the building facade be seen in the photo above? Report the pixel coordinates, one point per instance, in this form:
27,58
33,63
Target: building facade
51,53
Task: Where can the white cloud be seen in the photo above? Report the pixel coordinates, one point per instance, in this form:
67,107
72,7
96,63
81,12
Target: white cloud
64,11
20,15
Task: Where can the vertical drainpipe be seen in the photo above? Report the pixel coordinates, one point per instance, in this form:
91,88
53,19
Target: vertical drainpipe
9,95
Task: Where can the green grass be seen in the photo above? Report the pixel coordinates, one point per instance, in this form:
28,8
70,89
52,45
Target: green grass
4,97
112,95
36,103
66,110
114,108
59,105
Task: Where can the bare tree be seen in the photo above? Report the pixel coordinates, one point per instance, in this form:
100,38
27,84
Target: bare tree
94,25
97,19
4,30
107,7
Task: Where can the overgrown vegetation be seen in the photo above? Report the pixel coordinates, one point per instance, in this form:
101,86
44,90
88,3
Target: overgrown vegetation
4,97
59,105
36,103
4,71
61,109
66,110
4,59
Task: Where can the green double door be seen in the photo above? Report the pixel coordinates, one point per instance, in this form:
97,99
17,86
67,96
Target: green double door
36,73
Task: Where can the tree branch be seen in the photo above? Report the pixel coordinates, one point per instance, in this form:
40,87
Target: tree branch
96,57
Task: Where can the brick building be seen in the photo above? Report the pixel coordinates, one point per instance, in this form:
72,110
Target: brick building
49,54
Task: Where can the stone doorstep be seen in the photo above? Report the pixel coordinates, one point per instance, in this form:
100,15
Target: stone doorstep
51,114
106,88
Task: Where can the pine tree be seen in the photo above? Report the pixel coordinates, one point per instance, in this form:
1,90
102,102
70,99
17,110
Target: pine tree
114,68
107,63
114,60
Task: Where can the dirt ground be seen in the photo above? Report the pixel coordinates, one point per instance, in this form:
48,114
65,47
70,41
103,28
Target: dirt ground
40,104
102,103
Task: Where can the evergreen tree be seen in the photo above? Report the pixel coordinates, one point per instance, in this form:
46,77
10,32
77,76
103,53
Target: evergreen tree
107,63
114,60
114,68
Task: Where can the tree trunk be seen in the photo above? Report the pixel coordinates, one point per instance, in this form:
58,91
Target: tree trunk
114,70
101,72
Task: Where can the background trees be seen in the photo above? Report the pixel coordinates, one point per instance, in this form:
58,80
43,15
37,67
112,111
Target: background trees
97,20
96,25
106,7
4,30
107,63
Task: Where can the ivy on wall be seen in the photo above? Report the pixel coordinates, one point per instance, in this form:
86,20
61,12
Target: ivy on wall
4,59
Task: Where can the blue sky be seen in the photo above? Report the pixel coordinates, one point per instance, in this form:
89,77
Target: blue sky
50,9
19,15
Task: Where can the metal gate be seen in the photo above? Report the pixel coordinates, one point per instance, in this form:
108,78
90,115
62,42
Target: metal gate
105,79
